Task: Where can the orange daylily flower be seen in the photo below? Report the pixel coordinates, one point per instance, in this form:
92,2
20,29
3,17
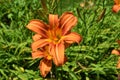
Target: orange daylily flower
56,35
116,6
46,63
115,51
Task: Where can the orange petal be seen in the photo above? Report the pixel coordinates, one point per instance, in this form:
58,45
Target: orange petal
60,53
37,54
57,52
116,52
52,52
38,44
117,1
38,27
116,8
72,37
45,67
53,20
67,21
118,64
36,37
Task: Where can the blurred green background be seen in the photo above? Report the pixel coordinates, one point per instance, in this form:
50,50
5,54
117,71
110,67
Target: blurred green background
90,60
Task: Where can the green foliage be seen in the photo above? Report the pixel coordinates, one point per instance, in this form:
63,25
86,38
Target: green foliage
90,60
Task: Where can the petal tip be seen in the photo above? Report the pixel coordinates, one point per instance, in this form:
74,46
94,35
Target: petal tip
116,8
116,52
45,67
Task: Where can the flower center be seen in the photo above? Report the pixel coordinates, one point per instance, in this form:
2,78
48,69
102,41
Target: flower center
49,57
54,35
